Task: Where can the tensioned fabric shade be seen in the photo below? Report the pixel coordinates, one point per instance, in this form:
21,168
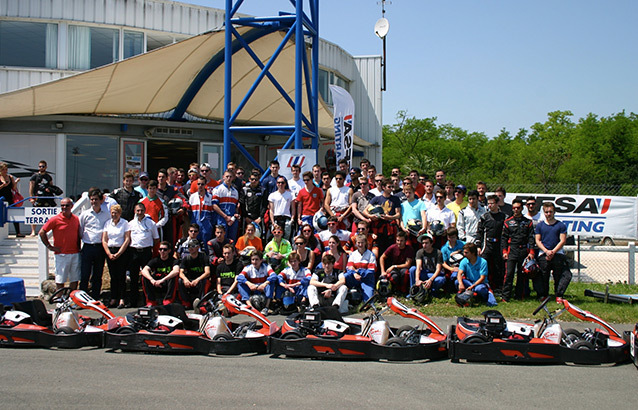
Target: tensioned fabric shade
155,82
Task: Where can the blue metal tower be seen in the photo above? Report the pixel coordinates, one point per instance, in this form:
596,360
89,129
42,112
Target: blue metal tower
302,26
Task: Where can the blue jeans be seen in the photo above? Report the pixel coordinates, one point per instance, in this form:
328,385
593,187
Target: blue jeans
437,283
246,292
365,285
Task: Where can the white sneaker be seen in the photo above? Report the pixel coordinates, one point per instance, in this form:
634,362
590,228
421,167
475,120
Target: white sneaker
264,311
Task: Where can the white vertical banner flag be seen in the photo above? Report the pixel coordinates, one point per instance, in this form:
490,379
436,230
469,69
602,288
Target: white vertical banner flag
343,106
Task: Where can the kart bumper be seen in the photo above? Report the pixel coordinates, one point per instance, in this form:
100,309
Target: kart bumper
532,353
339,349
156,343
252,345
41,339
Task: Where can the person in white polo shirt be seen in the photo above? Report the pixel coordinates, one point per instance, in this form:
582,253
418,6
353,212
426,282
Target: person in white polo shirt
144,236
92,223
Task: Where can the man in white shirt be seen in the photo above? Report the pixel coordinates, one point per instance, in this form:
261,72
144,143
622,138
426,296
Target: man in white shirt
295,183
469,217
280,204
338,198
93,256
144,236
440,214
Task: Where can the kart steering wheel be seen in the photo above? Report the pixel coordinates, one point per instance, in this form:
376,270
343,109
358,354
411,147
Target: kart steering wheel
368,303
212,295
542,305
60,295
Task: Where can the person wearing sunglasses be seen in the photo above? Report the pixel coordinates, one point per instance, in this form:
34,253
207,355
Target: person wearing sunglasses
306,255
337,201
66,244
194,272
281,204
159,277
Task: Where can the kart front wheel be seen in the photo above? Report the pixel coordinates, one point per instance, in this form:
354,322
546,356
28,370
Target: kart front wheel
395,342
224,337
125,330
582,345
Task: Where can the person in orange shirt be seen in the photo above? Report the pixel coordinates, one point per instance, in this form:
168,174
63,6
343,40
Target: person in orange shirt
249,240
207,172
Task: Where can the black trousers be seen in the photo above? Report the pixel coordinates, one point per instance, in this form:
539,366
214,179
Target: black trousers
139,259
558,266
91,268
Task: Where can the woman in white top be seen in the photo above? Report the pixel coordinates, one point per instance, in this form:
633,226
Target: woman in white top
115,240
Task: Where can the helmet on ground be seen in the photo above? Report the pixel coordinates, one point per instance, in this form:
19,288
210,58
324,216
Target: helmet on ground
258,301
420,295
355,296
464,299
174,205
288,300
437,228
320,221
455,259
384,287
530,267
414,226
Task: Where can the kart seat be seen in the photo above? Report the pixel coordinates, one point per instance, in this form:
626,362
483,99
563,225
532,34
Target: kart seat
177,310
36,309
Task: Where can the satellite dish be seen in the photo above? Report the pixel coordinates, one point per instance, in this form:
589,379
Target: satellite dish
381,27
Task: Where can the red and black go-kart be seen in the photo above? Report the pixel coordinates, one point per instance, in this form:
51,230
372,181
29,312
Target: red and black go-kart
29,324
323,333
225,337
169,329
633,345
494,339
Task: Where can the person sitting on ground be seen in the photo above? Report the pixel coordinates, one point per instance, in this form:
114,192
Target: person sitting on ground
258,278
396,261
194,271
181,248
362,264
472,275
328,286
305,253
332,230
159,277
278,249
428,270
227,271
452,246
294,278
249,242
216,244
335,249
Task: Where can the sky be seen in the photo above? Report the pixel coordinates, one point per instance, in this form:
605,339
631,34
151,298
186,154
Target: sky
489,65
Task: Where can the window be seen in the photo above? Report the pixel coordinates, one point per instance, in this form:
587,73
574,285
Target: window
26,44
327,78
133,43
156,40
91,47
90,161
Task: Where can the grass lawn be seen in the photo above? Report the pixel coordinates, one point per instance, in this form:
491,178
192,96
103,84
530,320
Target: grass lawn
611,312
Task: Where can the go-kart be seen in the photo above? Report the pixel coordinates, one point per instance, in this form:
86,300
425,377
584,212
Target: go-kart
169,329
225,337
29,324
323,333
493,339
633,345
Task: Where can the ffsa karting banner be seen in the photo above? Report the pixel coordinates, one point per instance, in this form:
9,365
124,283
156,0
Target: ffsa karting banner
343,123
590,215
305,158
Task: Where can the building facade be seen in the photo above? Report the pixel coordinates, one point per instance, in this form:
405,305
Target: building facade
46,40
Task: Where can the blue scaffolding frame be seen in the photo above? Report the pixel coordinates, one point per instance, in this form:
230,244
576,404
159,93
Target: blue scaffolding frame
302,26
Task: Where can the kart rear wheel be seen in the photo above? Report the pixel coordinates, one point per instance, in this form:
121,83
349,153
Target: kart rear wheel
292,335
125,330
224,337
403,331
582,345
573,332
476,338
66,330
395,342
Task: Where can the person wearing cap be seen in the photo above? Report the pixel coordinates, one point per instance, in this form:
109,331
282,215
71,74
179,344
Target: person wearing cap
459,200
428,270
159,277
142,188
194,271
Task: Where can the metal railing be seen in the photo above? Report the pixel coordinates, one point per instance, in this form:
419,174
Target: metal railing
603,264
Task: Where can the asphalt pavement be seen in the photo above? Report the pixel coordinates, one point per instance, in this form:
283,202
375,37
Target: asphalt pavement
98,378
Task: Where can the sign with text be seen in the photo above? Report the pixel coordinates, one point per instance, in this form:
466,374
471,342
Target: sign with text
288,157
39,216
591,215
343,123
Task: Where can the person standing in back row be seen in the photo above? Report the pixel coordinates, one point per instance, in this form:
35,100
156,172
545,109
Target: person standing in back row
40,185
551,235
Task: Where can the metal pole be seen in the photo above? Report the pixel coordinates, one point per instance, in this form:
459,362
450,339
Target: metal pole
299,52
632,263
228,57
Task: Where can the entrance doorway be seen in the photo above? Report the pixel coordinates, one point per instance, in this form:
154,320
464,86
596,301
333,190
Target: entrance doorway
165,154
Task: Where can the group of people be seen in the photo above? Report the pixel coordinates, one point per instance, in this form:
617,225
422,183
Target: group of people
311,239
